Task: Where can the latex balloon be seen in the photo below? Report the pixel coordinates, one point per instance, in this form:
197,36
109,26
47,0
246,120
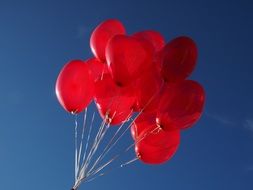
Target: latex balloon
153,37
127,58
154,154
179,58
74,86
141,121
147,89
102,34
146,129
114,101
180,105
97,68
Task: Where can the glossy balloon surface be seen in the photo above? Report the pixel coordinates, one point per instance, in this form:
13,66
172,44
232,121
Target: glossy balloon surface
178,59
127,58
180,105
74,86
154,154
102,34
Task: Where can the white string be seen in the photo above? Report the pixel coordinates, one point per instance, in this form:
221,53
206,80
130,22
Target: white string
76,167
105,151
81,141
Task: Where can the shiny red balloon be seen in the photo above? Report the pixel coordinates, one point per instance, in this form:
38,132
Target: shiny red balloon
150,154
141,121
178,59
102,34
153,37
74,86
147,89
97,68
114,101
127,58
180,105
146,129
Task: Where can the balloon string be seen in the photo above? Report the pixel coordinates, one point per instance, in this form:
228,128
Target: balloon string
81,141
129,162
101,138
90,151
110,119
108,147
88,139
89,128
76,168
87,153
95,142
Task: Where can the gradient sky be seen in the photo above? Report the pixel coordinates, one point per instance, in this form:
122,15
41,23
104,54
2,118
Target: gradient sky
36,135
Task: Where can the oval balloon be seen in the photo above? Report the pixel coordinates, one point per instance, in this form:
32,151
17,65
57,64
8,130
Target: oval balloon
127,58
113,102
179,58
180,105
154,154
153,37
74,86
102,34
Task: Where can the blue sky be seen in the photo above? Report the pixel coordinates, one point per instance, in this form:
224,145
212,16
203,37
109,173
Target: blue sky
36,134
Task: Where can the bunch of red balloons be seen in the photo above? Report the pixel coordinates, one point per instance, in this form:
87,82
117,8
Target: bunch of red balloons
137,73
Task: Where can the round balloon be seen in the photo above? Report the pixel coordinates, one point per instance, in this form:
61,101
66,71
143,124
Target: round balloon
179,58
102,34
74,86
180,105
150,154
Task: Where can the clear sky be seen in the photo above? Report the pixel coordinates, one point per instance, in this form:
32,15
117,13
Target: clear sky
36,135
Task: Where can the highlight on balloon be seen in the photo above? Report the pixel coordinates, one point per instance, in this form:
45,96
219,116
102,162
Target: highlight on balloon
140,85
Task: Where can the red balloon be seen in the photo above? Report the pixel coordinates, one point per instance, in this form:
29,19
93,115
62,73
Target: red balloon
97,68
153,37
127,58
150,154
180,105
147,88
146,129
74,86
113,100
179,58
141,121
102,34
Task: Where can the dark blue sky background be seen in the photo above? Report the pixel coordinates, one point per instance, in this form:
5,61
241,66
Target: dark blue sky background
36,135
